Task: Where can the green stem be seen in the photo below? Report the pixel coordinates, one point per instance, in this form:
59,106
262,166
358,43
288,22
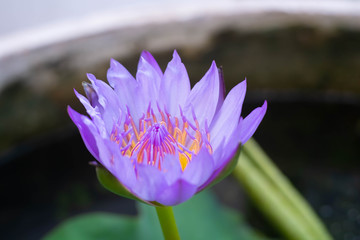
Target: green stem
276,197
270,202
263,162
168,223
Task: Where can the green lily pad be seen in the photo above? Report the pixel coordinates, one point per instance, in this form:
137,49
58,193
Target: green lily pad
202,217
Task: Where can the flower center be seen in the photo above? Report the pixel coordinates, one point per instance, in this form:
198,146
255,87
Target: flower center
152,139
154,144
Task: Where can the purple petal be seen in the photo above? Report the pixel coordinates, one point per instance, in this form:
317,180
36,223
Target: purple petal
241,134
176,193
175,86
150,59
107,98
204,96
251,122
124,171
226,150
150,181
125,86
87,131
200,168
121,167
227,119
108,101
171,168
149,80
119,77
92,111
223,156
153,182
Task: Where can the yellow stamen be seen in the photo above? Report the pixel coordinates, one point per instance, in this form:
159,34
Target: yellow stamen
153,140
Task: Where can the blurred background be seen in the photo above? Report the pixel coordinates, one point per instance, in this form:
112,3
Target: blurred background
302,56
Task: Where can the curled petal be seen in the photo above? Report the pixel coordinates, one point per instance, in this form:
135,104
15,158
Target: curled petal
251,122
92,111
105,94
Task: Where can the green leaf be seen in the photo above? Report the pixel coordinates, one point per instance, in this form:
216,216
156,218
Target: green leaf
95,226
202,217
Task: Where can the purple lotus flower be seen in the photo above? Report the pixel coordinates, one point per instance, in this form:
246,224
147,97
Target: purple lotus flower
161,141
